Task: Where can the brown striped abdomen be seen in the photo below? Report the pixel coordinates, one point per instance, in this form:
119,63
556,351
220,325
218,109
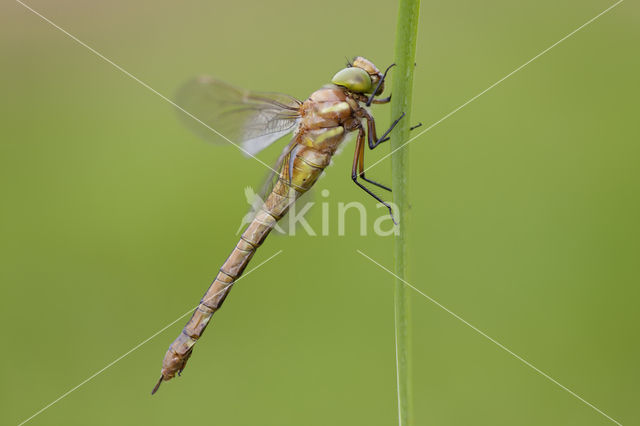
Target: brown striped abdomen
307,167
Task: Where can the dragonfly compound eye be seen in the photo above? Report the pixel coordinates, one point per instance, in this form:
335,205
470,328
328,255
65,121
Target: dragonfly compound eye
354,79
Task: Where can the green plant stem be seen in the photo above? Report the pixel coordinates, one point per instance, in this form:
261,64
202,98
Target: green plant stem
406,34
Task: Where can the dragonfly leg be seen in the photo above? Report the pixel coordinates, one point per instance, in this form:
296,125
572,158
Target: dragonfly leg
382,101
371,126
360,154
370,100
371,130
354,173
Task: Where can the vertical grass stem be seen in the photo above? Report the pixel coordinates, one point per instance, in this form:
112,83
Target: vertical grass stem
405,49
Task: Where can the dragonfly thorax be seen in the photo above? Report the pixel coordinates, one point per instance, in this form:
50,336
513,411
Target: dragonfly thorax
326,116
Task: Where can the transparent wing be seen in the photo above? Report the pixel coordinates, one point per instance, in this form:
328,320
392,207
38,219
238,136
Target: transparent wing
272,177
254,120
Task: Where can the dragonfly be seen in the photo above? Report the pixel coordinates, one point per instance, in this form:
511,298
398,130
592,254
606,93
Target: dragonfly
257,119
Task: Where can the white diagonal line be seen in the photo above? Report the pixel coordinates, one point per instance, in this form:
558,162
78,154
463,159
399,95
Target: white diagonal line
491,339
88,379
127,73
495,84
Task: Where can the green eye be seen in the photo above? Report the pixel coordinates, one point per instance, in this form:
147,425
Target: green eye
354,79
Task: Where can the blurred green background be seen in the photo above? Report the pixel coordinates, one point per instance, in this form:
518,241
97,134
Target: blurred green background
114,218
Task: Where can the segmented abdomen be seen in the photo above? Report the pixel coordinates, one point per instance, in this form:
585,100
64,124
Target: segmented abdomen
305,166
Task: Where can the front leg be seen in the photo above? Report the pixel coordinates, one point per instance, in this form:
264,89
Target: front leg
382,100
380,83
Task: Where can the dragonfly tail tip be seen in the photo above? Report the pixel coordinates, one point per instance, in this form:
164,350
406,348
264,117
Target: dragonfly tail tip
157,386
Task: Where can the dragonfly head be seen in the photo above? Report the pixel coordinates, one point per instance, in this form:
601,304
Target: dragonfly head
372,70
361,76
353,79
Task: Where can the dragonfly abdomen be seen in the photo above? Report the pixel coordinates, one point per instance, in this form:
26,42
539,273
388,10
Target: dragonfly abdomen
308,164
298,174
180,350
